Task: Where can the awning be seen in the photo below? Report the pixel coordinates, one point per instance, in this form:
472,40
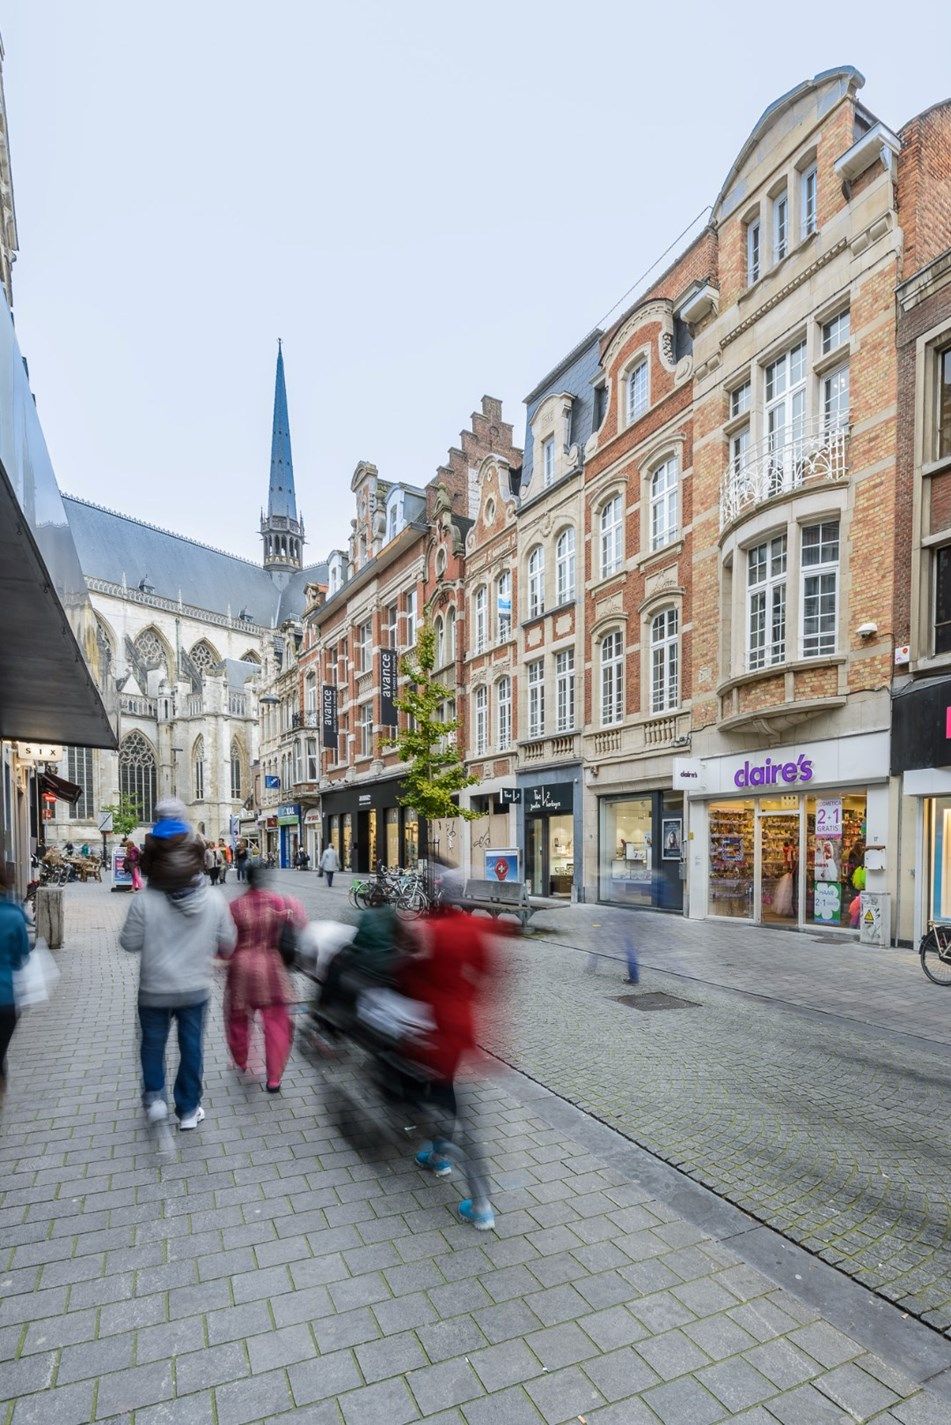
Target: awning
61,789
312,817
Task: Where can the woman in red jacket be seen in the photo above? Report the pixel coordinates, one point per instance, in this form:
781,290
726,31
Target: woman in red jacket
257,980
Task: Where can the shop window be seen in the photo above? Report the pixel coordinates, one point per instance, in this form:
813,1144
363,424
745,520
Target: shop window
627,851
637,392
820,588
410,838
79,771
665,661
835,853
565,566
766,603
942,600
663,504
535,672
481,700
536,582
731,859
480,609
943,403
504,709
565,690
611,536
503,605
612,678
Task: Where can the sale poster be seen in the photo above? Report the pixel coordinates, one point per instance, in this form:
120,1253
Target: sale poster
828,902
826,859
829,817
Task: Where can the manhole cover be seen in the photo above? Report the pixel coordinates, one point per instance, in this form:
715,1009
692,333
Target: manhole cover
656,1001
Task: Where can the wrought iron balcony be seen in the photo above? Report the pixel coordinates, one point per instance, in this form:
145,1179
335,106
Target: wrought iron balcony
814,453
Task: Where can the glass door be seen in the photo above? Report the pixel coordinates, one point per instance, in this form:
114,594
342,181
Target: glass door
535,855
778,880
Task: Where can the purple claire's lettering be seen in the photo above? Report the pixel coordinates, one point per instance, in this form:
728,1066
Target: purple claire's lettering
768,773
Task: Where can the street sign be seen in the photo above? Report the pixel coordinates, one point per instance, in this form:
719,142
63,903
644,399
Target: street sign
511,794
105,822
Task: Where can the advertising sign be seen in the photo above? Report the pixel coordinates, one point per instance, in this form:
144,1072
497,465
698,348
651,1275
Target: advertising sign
388,673
828,902
829,817
120,876
556,798
826,859
272,782
511,795
503,864
328,715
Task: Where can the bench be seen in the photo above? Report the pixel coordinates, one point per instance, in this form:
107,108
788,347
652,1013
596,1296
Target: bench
506,898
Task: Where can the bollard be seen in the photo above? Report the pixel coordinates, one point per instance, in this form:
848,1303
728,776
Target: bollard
633,974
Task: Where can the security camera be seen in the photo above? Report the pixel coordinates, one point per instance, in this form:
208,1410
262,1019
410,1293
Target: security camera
866,630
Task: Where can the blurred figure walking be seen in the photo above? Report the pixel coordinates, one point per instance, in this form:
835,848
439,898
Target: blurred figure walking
224,853
133,857
241,859
14,949
173,856
330,862
212,862
258,981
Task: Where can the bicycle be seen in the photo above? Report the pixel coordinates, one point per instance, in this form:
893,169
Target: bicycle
935,952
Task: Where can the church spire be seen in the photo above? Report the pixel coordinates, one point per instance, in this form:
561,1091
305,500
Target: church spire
281,529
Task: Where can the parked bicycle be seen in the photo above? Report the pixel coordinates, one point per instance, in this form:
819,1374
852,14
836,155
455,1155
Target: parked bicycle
404,890
935,952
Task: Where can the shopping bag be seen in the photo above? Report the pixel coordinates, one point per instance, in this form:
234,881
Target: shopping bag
35,981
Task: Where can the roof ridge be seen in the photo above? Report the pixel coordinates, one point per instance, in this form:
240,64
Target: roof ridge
160,529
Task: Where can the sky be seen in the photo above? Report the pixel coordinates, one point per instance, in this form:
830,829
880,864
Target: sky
427,202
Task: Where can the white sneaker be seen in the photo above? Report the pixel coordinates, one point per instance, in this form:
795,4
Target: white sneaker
157,1110
192,1120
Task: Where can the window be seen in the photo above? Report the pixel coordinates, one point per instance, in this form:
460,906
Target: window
503,605
809,200
198,758
450,635
79,770
600,405
611,536
664,522
236,779
310,699
503,696
481,700
665,672
565,690
612,678
439,632
637,396
739,451
536,697
298,761
392,516
480,607
150,650
411,618
565,566
740,399
835,333
204,656
365,716
313,760
943,413
752,252
137,774
835,398
780,226
785,389
942,600
536,582
391,626
548,460
766,602
820,588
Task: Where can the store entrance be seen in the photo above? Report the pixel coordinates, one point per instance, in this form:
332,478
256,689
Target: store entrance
779,833
550,860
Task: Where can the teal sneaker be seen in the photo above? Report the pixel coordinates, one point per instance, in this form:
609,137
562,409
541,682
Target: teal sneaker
428,1158
481,1218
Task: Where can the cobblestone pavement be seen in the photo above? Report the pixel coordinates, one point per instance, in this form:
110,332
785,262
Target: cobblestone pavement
263,1271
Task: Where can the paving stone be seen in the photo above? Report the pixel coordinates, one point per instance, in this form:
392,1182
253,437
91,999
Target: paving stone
96,1358
503,1407
504,1365
388,1403
67,1405
781,1362
233,1322
134,1388
561,1345
440,1386
347,1329
28,1374
684,1402
255,1398
404,1312
613,1327
557,1304
672,1354
197,1409
805,1406
623,1412
921,1409
564,1395
394,1355
737,1384
54,1331
324,1377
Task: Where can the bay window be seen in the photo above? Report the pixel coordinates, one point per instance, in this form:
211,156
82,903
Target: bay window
665,661
612,678
820,588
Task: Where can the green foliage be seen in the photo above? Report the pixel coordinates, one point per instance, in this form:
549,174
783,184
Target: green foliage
126,815
436,772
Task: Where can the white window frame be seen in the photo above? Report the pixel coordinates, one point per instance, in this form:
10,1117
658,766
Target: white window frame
480,721
809,200
503,698
665,660
411,619
767,601
638,390
611,522
836,332
665,503
313,760
784,406
366,729
480,619
439,634
612,678
548,461
365,646
535,680
565,566
565,690
536,581
834,398
780,216
825,575
503,605
754,252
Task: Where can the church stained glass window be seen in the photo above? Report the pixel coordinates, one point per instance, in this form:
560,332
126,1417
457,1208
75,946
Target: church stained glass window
204,656
137,774
149,647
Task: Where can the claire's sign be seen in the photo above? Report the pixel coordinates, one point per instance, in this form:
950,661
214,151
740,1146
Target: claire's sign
771,774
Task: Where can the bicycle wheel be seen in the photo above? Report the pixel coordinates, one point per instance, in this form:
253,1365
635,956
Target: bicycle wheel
935,963
358,895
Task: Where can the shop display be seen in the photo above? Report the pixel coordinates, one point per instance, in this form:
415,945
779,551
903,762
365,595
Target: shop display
731,859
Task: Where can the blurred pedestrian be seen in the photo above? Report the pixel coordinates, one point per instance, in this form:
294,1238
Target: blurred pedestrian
241,859
133,857
452,977
224,853
330,862
173,855
14,949
212,863
176,933
258,981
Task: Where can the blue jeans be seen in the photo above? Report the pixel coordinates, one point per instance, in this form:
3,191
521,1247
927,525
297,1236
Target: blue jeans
155,1024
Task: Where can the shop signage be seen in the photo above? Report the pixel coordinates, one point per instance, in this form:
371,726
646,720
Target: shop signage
829,817
328,715
120,876
539,801
690,775
288,815
828,902
388,661
364,799
272,783
511,795
768,772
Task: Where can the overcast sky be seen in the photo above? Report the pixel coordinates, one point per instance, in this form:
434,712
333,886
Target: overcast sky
426,201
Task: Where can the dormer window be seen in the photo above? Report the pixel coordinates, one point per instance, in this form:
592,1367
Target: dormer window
391,522
548,461
637,395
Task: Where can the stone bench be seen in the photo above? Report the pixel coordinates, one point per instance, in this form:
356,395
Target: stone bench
506,898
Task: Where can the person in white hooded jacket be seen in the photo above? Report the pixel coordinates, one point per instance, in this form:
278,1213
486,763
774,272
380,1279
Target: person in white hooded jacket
176,934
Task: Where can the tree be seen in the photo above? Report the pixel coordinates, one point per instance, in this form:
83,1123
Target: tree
436,772
126,814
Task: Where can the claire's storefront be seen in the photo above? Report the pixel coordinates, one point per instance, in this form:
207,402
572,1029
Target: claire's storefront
788,836
367,825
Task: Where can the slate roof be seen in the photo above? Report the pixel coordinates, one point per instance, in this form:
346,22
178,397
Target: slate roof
576,375
113,546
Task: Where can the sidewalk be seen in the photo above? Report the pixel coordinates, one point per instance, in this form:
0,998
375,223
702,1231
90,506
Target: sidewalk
269,1274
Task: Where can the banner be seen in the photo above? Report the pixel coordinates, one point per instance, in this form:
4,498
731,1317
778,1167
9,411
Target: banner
328,715
388,674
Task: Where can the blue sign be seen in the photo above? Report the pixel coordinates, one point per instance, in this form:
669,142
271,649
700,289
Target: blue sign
503,864
272,782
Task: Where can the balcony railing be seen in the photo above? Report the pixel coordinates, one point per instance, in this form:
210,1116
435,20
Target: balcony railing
238,704
814,453
661,732
136,706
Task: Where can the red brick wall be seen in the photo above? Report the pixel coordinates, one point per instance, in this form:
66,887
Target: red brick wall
924,187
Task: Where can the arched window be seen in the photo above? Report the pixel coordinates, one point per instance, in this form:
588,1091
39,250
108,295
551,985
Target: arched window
198,762
481,721
150,649
480,608
612,678
565,566
439,630
137,774
503,605
450,635
637,393
665,523
236,778
203,655
665,661
503,725
536,582
611,536
251,657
